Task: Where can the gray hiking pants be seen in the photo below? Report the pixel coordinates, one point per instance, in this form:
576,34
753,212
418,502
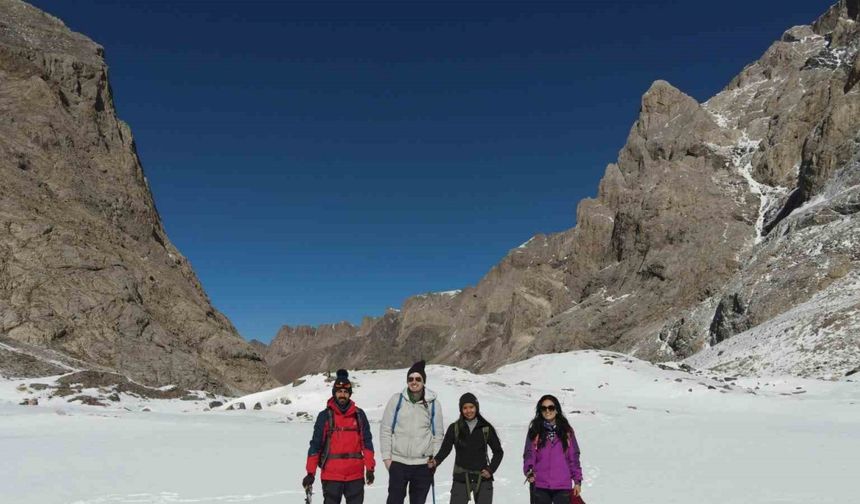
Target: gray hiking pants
459,496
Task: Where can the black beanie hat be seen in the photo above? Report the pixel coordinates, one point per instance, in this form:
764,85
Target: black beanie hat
342,382
469,398
418,367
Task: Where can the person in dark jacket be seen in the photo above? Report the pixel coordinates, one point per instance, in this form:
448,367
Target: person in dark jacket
342,446
470,436
551,455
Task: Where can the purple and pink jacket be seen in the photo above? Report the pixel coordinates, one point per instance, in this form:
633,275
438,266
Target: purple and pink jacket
554,467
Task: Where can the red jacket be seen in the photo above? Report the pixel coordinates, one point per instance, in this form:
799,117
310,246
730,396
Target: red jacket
347,450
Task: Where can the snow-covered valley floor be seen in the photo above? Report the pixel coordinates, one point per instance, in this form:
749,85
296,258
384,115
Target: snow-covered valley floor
648,435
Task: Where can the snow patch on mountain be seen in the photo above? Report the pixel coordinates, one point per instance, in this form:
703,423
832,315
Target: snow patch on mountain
818,338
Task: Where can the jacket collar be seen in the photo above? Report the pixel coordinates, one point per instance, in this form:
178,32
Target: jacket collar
481,421
332,405
429,395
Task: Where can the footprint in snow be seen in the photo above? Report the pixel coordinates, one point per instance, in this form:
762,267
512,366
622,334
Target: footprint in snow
590,474
175,498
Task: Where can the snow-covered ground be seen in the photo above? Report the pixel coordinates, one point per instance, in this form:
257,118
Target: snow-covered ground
648,434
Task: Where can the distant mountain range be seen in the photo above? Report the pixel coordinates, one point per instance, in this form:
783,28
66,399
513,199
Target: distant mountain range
726,230
726,233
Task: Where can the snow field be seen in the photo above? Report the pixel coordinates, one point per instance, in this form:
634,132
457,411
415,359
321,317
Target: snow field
646,437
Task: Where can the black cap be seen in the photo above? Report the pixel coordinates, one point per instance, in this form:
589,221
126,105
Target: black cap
469,398
418,367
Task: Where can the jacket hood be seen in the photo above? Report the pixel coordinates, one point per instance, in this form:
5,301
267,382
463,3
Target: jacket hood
429,395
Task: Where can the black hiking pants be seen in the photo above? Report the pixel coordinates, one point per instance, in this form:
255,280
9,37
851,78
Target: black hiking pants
418,479
460,496
545,496
333,491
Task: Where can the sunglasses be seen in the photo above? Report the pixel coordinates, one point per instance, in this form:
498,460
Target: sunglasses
549,408
414,379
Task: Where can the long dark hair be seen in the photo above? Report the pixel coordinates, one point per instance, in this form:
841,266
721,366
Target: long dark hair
538,432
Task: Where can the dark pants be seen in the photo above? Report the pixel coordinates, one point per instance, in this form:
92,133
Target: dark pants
484,495
418,478
353,491
544,496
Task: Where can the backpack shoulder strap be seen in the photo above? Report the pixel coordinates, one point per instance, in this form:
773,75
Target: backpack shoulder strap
396,411
486,430
327,425
359,414
327,435
433,417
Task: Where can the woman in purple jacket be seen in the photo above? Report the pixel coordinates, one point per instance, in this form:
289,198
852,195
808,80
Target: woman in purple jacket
551,455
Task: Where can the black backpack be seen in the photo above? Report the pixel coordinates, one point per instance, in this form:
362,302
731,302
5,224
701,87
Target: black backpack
327,435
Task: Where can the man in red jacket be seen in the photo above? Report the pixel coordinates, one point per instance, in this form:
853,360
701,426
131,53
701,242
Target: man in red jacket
342,446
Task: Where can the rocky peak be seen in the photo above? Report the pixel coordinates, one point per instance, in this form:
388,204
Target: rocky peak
840,13
87,268
302,336
26,27
717,220
671,125
662,103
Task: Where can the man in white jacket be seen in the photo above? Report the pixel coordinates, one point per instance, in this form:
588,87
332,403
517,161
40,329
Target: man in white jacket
411,433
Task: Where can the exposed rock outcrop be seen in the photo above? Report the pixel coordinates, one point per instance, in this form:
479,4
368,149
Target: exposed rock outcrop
735,218
86,267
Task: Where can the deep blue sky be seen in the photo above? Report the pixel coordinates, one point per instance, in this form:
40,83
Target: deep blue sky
319,161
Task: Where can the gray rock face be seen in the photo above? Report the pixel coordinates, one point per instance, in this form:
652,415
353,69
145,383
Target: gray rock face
85,265
793,305
19,363
307,336
260,347
303,350
727,230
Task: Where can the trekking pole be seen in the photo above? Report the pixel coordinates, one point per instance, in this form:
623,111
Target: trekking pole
433,479
529,475
433,483
309,492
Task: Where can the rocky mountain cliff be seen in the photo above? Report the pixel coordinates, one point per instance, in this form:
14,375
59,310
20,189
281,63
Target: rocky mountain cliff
85,265
726,232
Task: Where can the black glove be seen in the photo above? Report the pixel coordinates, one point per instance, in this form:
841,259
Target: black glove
308,480
368,477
